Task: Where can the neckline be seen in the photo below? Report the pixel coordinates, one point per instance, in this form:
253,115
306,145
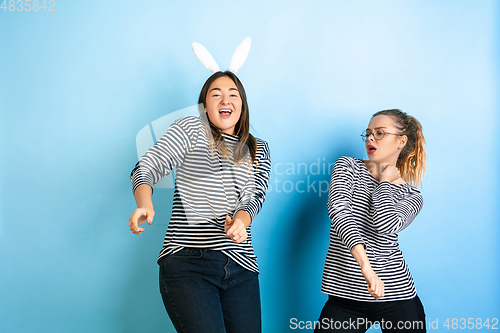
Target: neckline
230,137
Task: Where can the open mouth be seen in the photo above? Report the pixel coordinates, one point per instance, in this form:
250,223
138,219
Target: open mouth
371,149
226,112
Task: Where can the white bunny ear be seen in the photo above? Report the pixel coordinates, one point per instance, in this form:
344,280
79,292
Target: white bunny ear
205,57
240,55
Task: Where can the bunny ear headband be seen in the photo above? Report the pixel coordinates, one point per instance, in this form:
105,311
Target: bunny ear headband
239,56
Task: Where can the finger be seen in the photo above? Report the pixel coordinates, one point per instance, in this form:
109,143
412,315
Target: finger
227,224
242,239
236,232
380,290
371,293
136,230
375,290
149,217
139,231
235,235
242,235
234,229
132,224
138,217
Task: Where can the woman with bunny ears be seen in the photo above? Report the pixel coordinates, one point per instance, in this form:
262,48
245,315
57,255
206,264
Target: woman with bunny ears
208,269
370,202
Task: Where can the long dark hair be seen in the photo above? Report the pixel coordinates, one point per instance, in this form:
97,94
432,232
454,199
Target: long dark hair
411,160
248,143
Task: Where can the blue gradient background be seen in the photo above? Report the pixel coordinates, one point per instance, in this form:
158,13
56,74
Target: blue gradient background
77,84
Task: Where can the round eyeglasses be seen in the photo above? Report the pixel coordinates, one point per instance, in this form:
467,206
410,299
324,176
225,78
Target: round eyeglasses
377,135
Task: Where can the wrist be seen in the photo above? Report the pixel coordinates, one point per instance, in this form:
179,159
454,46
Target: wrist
244,217
146,206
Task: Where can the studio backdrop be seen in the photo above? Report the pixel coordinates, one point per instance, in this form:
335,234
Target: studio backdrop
87,86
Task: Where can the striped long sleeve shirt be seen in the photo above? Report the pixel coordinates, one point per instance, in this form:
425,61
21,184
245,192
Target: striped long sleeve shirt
365,211
208,186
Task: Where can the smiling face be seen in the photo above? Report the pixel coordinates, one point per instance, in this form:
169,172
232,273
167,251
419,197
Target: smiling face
223,104
386,149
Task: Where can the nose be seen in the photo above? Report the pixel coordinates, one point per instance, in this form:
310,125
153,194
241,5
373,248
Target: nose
370,137
225,99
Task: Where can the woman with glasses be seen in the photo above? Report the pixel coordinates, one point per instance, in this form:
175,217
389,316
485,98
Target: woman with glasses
370,202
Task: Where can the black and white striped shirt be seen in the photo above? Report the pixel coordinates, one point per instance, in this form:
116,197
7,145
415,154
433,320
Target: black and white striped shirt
208,186
364,211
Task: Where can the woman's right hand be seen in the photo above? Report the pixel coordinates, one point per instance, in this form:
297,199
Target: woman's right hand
375,285
138,217
390,174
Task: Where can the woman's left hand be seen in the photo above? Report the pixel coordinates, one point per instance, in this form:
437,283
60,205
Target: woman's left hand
235,229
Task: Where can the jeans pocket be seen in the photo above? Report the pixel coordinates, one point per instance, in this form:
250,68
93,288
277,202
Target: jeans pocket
185,262
186,253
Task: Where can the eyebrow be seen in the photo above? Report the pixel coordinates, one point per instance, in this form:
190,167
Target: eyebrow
378,128
221,90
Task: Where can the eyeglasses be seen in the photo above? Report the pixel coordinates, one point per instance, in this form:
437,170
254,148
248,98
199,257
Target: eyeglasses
377,135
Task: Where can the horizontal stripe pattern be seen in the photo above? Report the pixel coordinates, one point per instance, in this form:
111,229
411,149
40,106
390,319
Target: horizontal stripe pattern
208,186
364,211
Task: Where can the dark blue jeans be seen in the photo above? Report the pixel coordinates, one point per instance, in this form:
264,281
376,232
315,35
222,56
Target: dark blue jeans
344,315
206,291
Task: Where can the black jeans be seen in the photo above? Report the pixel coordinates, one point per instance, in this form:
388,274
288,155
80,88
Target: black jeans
344,315
206,291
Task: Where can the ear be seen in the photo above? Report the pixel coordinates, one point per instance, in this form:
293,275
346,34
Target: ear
240,55
205,57
403,141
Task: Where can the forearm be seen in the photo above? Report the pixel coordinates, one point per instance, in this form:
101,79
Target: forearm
385,217
359,253
391,216
253,194
244,217
143,196
375,285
